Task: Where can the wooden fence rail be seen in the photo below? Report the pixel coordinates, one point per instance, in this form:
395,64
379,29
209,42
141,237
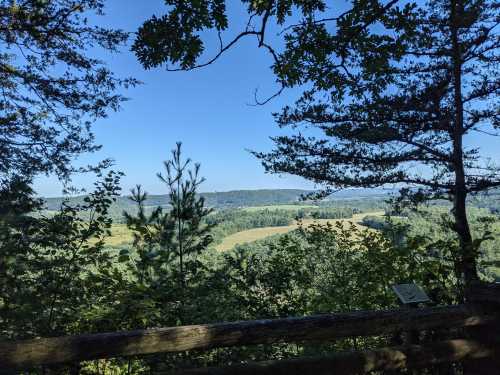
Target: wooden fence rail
362,362
29,353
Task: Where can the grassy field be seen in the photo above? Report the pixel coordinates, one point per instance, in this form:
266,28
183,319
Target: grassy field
255,234
120,235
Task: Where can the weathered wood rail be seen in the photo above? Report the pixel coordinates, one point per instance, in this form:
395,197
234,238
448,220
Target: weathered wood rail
176,339
361,362
327,327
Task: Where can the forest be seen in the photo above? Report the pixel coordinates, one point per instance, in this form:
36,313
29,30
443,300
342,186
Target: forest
387,110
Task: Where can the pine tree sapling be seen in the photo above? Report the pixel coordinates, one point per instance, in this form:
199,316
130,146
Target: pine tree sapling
191,235
168,240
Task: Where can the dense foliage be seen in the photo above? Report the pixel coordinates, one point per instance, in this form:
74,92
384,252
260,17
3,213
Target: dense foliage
432,223
322,268
69,281
84,286
51,274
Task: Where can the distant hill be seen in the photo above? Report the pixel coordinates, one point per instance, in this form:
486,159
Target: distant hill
362,193
245,198
363,199
235,198
227,199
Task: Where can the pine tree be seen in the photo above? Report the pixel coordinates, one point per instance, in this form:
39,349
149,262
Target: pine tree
190,234
169,239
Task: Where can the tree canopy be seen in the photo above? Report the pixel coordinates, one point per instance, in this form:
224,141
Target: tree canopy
52,88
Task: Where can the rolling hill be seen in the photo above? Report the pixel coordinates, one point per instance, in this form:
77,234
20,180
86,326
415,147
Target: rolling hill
232,199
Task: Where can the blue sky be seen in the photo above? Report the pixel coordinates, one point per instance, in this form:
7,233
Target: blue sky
206,109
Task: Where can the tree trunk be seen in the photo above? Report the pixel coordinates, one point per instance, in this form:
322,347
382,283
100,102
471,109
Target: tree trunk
468,253
467,258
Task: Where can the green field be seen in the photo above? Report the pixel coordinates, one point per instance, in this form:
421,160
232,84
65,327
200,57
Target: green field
121,235
255,234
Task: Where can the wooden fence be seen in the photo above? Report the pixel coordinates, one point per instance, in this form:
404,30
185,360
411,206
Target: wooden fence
479,347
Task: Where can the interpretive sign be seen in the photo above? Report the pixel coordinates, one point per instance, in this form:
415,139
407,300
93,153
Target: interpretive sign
410,294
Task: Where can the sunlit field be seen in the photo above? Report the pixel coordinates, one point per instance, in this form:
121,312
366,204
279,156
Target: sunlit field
121,235
255,234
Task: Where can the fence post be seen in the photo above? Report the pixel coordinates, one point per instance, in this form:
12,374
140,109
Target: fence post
486,296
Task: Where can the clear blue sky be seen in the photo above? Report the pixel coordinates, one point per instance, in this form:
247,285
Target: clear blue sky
206,109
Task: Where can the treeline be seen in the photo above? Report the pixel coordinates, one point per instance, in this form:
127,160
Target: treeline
329,212
362,201
375,222
226,201
219,200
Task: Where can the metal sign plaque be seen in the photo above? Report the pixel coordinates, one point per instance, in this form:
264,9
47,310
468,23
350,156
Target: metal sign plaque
410,293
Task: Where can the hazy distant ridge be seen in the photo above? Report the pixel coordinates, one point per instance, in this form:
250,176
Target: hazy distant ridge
232,199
